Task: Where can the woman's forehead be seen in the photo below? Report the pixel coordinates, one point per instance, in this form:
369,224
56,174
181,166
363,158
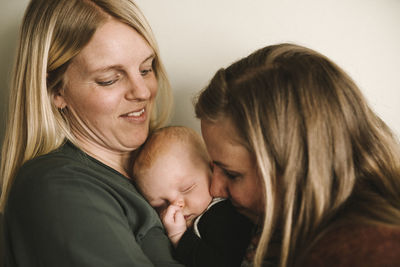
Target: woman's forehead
114,44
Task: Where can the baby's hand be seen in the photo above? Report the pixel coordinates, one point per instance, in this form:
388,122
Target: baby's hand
174,223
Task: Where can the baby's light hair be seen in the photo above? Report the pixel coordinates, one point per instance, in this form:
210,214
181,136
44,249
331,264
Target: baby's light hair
161,140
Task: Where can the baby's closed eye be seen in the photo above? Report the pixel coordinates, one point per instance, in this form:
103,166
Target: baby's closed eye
188,188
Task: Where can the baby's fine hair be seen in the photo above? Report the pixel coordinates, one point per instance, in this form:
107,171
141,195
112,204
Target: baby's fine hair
161,140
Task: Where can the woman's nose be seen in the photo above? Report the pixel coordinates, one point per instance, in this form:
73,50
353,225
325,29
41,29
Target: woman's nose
218,187
137,89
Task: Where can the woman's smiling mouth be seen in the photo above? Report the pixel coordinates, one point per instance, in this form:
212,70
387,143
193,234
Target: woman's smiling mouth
135,113
137,116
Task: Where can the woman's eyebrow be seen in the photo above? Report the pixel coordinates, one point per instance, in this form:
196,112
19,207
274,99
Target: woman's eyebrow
107,68
151,57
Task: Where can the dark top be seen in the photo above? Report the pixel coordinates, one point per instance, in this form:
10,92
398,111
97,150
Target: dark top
357,246
225,235
68,209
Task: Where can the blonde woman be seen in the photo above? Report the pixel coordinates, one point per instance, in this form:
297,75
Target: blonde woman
87,81
296,148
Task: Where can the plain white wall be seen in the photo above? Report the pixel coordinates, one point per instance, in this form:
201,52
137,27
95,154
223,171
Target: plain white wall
197,37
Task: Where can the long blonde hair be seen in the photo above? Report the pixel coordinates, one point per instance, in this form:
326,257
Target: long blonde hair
52,34
324,155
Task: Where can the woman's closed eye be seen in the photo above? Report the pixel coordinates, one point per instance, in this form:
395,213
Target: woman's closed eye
147,66
231,174
108,81
146,71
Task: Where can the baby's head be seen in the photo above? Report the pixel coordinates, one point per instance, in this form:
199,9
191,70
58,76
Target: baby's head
172,167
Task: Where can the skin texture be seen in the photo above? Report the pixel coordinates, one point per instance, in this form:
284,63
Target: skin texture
235,173
177,186
109,93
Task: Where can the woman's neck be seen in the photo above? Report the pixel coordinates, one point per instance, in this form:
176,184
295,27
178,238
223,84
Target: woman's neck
118,160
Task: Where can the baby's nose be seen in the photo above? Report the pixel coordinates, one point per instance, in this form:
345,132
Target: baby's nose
179,203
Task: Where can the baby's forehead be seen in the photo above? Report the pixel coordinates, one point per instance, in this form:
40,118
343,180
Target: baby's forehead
179,158
166,140
182,156
175,169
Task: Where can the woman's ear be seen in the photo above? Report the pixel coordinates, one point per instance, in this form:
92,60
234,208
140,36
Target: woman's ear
59,99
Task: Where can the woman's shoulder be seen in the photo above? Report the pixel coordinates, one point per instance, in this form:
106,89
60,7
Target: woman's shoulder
65,155
67,171
66,161
79,187
357,245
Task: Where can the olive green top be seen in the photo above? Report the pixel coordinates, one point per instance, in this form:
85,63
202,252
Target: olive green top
68,209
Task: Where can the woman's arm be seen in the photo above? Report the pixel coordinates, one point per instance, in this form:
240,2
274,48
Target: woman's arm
68,218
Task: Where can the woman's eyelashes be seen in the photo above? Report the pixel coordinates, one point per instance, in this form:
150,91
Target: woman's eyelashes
230,174
147,66
146,71
108,81
111,81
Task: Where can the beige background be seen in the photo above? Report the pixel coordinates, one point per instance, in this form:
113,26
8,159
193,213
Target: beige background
196,37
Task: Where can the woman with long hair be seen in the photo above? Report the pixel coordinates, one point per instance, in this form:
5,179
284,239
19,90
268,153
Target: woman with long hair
88,86
296,148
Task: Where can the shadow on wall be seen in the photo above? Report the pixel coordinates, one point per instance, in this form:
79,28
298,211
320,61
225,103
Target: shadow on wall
8,44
